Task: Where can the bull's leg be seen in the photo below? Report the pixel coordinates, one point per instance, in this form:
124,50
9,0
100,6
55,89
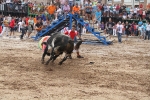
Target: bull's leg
66,56
44,54
54,58
51,57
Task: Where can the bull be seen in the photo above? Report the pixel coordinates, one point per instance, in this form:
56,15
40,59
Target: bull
56,45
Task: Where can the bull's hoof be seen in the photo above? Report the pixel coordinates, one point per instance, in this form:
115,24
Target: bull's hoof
60,63
46,63
42,62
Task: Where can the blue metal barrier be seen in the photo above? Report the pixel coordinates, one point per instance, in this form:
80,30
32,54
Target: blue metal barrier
63,22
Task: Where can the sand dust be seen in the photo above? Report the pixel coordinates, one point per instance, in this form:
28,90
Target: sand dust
114,72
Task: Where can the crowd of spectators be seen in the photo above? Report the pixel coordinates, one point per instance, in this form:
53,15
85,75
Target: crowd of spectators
91,11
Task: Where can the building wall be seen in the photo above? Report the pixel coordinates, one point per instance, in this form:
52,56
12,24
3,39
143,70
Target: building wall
126,2
148,1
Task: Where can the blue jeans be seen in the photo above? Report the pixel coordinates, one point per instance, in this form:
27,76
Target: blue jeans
75,39
147,35
119,37
23,30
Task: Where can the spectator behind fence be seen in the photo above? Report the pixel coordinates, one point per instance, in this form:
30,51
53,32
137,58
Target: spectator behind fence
58,12
66,9
98,15
88,10
51,10
76,9
71,3
35,6
43,17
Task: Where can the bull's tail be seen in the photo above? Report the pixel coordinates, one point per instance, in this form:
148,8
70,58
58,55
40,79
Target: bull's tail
77,46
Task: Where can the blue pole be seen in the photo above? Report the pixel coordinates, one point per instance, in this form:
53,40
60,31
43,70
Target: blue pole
70,21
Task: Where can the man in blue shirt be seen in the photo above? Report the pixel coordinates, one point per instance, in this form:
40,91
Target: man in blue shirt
43,18
98,15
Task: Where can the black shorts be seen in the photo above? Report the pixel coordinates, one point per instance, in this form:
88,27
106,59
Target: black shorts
110,31
88,13
127,32
11,29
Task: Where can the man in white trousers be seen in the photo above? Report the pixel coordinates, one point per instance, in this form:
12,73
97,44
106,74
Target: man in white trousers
5,26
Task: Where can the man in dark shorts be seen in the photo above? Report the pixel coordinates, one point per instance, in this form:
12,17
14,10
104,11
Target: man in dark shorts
12,25
110,25
127,31
88,10
39,25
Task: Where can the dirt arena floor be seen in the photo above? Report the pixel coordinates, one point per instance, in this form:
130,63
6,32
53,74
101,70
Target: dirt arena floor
114,72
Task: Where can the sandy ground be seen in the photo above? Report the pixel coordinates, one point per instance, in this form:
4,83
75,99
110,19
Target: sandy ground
117,72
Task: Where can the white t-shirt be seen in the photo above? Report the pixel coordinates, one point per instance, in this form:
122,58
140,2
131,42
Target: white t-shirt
148,27
143,12
131,11
59,11
124,16
9,18
19,23
114,8
119,28
22,24
135,10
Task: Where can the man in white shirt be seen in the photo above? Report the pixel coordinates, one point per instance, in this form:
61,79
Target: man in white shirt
9,18
119,31
147,31
23,25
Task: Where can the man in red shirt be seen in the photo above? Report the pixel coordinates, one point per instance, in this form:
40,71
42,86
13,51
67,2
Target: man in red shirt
72,34
12,25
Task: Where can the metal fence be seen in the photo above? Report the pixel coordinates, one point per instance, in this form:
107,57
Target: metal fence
2,6
13,8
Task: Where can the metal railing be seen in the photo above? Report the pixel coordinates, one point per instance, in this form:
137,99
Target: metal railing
14,8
